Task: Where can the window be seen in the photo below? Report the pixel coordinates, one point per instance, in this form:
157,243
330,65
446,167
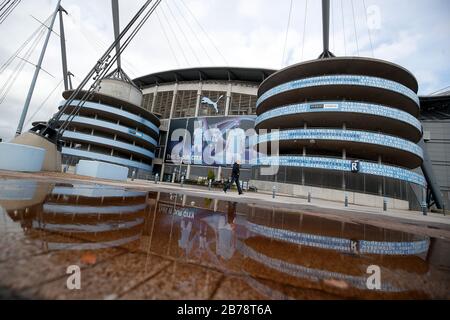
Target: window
147,101
212,100
185,103
163,104
242,104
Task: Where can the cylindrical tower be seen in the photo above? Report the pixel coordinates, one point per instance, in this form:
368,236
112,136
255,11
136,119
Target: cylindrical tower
344,123
111,126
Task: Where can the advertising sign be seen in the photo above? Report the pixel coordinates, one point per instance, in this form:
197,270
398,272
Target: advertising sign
211,140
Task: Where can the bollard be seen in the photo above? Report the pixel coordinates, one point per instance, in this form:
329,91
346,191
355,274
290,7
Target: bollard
443,209
346,200
209,184
274,189
133,174
309,196
156,178
424,208
182,181
384,204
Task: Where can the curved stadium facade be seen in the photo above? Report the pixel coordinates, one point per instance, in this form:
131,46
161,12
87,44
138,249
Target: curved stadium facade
111,127
343,123
216,97
330,114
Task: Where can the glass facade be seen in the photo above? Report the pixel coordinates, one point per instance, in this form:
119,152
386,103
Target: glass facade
344,181
218,98
208,98
147,101
185,103
438,148
163,104
242,104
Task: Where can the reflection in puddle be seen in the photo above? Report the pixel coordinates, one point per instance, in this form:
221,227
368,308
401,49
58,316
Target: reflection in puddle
264,252
81,217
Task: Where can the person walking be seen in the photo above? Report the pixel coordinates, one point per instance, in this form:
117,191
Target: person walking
234,178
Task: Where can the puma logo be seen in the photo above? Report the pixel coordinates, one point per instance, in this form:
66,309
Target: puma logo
208,101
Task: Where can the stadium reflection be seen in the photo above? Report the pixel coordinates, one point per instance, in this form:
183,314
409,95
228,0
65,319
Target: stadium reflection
272,252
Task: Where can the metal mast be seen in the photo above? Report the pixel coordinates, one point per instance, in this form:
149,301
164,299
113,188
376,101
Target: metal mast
326,30
63,47
115,15
36,73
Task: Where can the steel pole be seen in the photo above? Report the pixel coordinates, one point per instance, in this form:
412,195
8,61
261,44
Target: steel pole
115,15
326,24
326,30
63,48
36,73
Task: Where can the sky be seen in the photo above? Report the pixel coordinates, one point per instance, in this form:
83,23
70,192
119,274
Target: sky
243,33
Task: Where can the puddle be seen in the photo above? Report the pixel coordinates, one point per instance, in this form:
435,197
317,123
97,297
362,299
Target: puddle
138,245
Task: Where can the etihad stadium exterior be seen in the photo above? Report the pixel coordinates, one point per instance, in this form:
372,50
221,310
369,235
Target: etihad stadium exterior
347,127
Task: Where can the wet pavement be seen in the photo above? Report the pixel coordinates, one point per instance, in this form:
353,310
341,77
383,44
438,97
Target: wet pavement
153,245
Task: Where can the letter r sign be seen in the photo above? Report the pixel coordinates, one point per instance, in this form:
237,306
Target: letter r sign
355,166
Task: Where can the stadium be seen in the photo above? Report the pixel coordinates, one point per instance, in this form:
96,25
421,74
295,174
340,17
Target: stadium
344,123
111,126
330,114
222,98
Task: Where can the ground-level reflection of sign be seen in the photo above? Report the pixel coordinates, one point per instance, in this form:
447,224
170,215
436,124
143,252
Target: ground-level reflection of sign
354,247
180,212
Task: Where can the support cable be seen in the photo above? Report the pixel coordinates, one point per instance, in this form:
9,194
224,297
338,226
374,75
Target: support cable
439,91
8,62
183,34
101,68
167,39
98,44
354,26
368,29
4,4
36,71
6,87
204,32
38,109
194,33
286,34
343,26
304,29
5,13
175,36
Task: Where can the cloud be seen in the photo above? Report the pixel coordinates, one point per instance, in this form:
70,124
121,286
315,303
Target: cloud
247,33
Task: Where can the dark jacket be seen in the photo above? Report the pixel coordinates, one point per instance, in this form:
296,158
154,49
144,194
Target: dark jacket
235,172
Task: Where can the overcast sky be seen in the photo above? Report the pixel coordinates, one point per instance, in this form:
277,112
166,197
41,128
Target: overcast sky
246,33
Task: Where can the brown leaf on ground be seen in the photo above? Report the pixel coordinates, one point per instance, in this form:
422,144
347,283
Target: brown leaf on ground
341,284
88,258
